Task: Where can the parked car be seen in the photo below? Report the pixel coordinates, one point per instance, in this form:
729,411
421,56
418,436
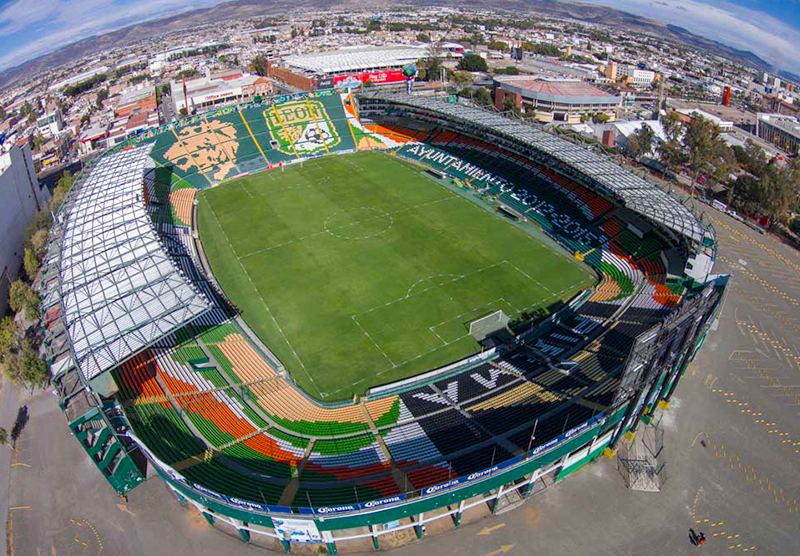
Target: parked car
733,214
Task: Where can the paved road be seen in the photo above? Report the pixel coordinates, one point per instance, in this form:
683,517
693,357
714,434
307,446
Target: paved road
732,450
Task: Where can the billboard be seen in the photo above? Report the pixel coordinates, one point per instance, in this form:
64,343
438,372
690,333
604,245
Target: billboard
377,78
297,530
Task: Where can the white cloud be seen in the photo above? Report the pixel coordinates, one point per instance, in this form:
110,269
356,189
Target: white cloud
68,21
740,27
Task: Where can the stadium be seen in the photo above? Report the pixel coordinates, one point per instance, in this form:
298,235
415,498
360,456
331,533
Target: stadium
324,317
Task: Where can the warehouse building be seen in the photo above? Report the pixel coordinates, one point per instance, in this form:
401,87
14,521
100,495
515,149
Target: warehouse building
352,67
217,89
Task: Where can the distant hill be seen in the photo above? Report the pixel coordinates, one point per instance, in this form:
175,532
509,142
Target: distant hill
246,9
718,48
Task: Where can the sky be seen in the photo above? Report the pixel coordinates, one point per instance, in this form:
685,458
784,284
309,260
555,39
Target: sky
770,28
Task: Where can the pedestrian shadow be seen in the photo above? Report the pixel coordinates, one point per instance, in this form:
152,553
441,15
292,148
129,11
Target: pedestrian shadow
20,422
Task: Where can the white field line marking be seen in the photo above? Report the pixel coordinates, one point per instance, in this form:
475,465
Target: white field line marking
323,232
444,343
394,366
529,277
462,276
499,299
288,343
389,359
458,277
368,236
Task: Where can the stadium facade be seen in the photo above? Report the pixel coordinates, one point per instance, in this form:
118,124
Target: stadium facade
153,366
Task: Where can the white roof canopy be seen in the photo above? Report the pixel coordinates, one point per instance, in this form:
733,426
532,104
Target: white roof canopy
119,290
356,59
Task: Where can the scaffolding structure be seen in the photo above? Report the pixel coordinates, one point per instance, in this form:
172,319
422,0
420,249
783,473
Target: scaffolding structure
641,462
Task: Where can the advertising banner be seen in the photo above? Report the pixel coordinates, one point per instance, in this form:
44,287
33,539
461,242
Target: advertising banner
372,504
297,530
376,77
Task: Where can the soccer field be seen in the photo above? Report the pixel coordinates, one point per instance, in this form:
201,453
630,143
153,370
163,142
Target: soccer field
359,270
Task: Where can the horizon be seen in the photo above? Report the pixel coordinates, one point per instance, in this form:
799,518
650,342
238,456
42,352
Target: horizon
27,34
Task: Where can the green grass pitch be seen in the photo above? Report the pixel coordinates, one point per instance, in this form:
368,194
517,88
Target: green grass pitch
360,270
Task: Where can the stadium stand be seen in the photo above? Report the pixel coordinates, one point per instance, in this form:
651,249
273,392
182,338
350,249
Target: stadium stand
227,429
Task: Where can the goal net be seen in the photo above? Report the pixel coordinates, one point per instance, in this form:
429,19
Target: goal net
488,325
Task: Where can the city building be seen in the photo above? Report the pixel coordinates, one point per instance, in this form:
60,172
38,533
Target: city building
555,99
216,89
22,198
355,66
693,113
92,138
611,71
51,123
80,78
136,111
782,131
637,77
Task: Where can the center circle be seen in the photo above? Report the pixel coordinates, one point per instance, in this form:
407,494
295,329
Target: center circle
358,223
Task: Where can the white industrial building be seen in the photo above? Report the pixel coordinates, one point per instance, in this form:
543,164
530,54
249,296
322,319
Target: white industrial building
724,125
81,77
217,89
639,77
352,66
22,198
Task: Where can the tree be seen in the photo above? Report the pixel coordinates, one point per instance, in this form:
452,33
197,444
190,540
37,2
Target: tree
646,137
600,118
39,241
707,152
640,142
33,371
9,338
632,146
671,151
472,62
259,65
423,37
754,158
498,45
478,95
102,94
546,50
31,263
368,83
22,297
778,189
62,188
462,78
510,105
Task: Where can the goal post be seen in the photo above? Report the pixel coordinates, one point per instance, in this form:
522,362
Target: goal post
487,325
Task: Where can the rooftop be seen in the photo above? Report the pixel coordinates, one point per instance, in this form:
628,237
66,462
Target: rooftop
553,88
789,124
354,59
118,289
